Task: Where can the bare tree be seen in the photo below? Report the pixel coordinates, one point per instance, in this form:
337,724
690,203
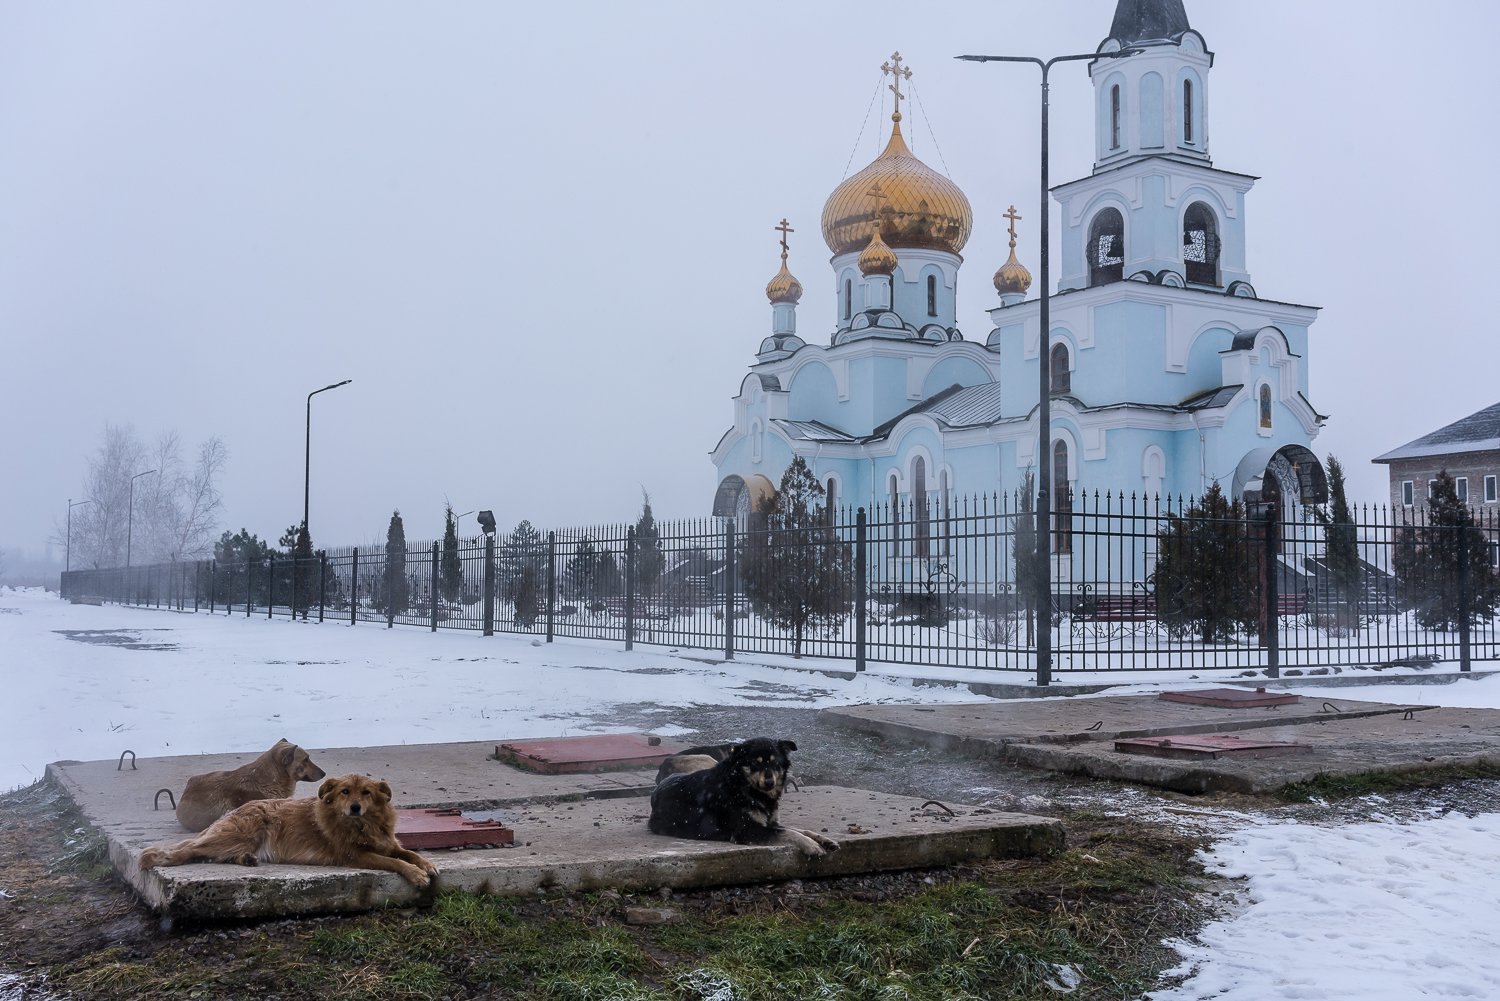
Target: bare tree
175,509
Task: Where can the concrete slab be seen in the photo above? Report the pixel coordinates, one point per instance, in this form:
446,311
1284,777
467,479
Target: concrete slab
1077,737
589,832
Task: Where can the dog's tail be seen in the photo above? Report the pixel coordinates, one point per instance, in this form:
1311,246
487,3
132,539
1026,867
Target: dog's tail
156,803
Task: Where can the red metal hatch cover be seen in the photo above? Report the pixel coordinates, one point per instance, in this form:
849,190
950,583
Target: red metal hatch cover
604,752
1232,698
417,829
1208,745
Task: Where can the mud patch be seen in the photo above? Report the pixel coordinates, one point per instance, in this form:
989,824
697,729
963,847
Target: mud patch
125,639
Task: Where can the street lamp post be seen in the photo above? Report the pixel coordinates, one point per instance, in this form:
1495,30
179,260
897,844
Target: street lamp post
1044,417
307,453
130,514
68,545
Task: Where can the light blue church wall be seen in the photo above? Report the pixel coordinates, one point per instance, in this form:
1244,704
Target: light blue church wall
954,371
1126,334
1152,98
813,395
1205,369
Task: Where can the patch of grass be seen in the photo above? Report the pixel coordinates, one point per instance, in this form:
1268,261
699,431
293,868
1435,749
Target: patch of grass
1093,916
1337,787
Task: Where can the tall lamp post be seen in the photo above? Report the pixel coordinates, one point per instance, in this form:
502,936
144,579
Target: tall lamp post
307,452
1044,421
130,514
68,545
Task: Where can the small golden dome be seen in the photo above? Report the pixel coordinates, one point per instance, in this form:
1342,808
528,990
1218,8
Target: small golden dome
784,287
877,258
1012,276
921,207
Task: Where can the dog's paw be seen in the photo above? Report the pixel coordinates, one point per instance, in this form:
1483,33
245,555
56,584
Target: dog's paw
828,844
248,858
150,859
416,877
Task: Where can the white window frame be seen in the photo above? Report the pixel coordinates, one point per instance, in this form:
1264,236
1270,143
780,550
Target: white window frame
1461,488
1489,490
1495,552
1431,485
1408,493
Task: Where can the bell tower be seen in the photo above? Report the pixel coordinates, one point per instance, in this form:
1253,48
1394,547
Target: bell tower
1154,103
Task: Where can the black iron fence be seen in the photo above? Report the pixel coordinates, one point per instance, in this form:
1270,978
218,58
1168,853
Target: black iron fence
1131,584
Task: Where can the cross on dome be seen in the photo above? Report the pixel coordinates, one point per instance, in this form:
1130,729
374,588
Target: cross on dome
900,72
783,228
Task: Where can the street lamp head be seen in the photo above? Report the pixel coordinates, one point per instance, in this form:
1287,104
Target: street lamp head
487,521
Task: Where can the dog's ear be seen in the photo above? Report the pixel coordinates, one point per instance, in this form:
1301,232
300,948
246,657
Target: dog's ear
385,791
785,746
327,788
286,751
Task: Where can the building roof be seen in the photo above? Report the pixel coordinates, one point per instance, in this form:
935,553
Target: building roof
1148,20
812,431
1212,399
1478,432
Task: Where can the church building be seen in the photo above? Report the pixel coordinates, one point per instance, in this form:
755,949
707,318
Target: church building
1170,371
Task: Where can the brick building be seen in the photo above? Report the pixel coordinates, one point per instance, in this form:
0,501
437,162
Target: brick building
1468,449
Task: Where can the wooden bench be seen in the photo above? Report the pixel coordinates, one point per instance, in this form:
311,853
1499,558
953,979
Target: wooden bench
1126,612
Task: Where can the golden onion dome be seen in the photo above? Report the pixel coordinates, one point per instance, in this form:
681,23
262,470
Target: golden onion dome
1012,276
784,287
877,258
920,207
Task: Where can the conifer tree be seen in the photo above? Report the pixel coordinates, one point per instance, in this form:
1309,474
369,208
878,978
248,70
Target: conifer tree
450,569
1436,563
521,550
527,607
305,571
795,569
1031,572
1207,577
395,591
648,556
1341,550
581,573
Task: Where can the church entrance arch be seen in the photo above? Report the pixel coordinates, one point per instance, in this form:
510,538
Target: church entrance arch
1289,477
739,497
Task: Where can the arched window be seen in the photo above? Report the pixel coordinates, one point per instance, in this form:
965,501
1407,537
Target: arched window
1060,376
921,517
1062,501
1187,111
947,489
1265,405
1200,244
1106,248
1114,117
848,298
932,295
830,499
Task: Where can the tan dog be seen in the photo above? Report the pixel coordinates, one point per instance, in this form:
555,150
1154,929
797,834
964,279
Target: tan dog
351,823
273,775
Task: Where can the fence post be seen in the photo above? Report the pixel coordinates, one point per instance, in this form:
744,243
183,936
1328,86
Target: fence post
271,585
729,590
197,583
860,589
489,584
433,597
1465,619
551,581
213,581
249,585
322,582
354,587
630,587
1271,596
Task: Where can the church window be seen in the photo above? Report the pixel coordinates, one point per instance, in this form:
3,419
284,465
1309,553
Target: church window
1489,490
830,499
1114,117
921,520
848,298
947,489
1200,244
932,295
1062,501
1461,489
895,515
1060,376
1187,111
1408,494
1265,405
1106,248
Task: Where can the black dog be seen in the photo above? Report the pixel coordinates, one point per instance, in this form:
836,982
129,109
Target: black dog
693,759
735,800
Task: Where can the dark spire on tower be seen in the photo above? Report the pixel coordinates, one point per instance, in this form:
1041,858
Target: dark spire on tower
1148,20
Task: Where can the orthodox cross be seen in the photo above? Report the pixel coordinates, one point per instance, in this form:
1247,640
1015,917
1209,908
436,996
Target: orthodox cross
783,229
1012,216
900,72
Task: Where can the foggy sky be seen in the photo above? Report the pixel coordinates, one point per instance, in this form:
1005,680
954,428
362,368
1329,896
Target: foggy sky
537,237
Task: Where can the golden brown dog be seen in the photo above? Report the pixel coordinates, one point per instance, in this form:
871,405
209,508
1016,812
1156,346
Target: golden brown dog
351,823
273,775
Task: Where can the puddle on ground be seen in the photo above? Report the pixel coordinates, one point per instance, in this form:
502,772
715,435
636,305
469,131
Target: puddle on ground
126,639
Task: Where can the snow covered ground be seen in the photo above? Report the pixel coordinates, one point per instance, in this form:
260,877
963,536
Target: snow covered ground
1387,909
